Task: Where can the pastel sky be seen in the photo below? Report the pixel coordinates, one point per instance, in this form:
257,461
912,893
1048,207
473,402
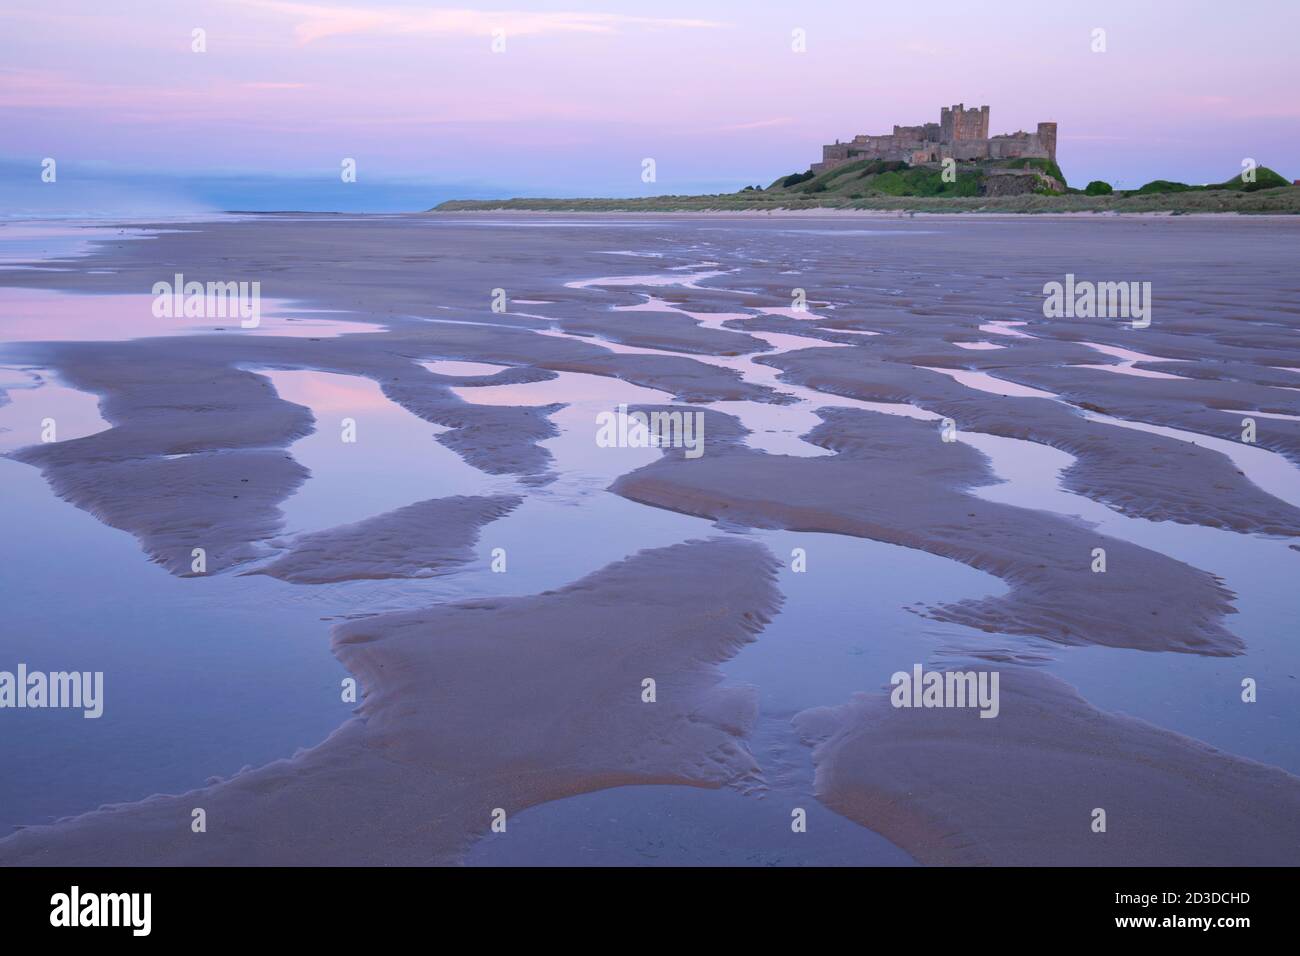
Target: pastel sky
711,89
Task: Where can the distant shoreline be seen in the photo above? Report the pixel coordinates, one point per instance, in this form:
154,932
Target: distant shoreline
1282,201
837,213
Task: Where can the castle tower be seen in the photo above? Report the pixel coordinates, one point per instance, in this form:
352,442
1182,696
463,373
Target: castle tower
956,123
1047,136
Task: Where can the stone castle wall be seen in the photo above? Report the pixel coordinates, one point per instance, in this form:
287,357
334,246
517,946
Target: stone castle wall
961,134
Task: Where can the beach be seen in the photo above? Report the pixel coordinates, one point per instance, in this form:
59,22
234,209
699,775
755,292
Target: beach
395,483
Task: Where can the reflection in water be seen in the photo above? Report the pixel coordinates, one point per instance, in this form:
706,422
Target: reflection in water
37,315
1005,327
240,668
27,241
385,459
1029,476
448,367
658,279
984,382
202,676
1128,357
40,409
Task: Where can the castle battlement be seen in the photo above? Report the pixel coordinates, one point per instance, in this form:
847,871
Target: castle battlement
961,134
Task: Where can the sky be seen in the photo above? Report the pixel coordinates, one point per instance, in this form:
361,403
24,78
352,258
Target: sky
435,101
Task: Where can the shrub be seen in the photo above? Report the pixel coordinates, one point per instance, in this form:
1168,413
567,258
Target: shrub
1163,186
1098,188
1265,178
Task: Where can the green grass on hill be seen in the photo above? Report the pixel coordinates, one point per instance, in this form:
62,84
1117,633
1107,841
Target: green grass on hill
877,185
925,182
873,177
1265,178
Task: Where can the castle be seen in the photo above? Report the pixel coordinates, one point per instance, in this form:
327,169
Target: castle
960,134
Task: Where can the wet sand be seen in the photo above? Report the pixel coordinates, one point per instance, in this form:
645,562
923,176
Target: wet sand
418,540
893,479
953,789
474,707
522,688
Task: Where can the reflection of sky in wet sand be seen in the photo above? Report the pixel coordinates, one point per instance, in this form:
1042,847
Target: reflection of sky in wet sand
659,279
202,676
984,382
34,397
1268,470
1000,327
582,466
1127,355
1029,476
38,315
253,679
450,367
826,643
24,241
1197,696
395,460
1127,359
35,315
1277,416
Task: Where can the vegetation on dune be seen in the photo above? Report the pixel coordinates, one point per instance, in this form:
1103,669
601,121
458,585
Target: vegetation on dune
1267,201
1162,186
875,177
879,185
795,179
1265,178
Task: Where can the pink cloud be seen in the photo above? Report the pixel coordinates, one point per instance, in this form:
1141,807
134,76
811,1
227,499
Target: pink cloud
315,22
